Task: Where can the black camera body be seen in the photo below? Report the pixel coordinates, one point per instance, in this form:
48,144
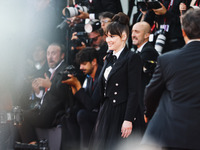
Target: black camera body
148,4
81,34
71,69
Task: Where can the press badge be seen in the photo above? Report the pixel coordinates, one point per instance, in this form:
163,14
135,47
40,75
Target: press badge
165,27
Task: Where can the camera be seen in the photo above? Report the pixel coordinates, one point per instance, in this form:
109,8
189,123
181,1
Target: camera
92,25
71,69
83,5
149,66
81,34
160,40
41,145
74,11
148,4
17,115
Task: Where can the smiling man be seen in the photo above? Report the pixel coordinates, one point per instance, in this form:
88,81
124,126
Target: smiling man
140,38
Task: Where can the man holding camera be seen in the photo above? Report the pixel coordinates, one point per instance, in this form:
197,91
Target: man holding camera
54,99
87,59
97,41
166,20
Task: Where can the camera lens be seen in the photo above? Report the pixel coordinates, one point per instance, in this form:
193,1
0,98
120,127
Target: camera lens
160,42
74,11
71,12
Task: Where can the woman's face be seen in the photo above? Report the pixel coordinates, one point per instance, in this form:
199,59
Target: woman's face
114,42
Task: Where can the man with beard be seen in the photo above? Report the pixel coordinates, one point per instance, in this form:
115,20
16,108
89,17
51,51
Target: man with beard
53,100
86,117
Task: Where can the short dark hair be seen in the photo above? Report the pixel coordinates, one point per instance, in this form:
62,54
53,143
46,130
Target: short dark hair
106,14
119,24
99,31
87,54
62,46
191,23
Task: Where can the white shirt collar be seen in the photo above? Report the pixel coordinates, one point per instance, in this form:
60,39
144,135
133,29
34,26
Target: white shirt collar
141,47
51,70
193,40
118,53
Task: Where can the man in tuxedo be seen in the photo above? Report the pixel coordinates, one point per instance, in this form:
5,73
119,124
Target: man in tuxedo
172,96
140,38
54,99
86,117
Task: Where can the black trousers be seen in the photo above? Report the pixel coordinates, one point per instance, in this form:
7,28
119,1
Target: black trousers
86,120
171,148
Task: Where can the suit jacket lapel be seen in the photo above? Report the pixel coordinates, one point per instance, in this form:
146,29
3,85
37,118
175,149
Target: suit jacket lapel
120,61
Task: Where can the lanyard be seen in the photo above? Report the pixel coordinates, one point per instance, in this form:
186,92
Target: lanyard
197,3
171,4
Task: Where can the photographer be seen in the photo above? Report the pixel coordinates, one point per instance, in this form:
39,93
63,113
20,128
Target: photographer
53,101
87,59
166,21
95,7
95,39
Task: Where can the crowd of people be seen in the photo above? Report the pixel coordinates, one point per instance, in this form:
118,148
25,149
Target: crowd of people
107,80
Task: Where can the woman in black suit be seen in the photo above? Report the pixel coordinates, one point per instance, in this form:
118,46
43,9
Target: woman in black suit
119,83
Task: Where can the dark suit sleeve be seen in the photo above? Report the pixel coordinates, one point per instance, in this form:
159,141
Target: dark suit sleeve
134,82
89,102
154,90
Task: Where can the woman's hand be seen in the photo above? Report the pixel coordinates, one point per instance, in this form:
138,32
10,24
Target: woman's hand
126,128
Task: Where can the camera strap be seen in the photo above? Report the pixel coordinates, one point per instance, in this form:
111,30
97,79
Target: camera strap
197,3
165,26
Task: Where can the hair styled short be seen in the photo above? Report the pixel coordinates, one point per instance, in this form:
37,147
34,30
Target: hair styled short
87,54
62,46
106,14
119,24
191,23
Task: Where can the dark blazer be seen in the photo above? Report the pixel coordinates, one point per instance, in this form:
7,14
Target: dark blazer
55,101
90,102
174,95
123,82
148,53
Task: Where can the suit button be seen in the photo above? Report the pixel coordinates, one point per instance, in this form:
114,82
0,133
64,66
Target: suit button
114,101
104,94
115,93
116,84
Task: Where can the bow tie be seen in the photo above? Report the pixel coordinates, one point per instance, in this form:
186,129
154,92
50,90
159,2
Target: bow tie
111,58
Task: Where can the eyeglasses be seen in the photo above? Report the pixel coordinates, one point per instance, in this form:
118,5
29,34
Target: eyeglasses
105,21
95,38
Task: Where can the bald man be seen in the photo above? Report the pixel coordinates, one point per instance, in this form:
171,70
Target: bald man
140,37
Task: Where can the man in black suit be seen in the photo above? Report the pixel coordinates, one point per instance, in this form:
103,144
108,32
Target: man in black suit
54,100
86,117
140,38
172,96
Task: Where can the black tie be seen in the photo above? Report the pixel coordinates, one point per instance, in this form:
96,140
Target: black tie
111,58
